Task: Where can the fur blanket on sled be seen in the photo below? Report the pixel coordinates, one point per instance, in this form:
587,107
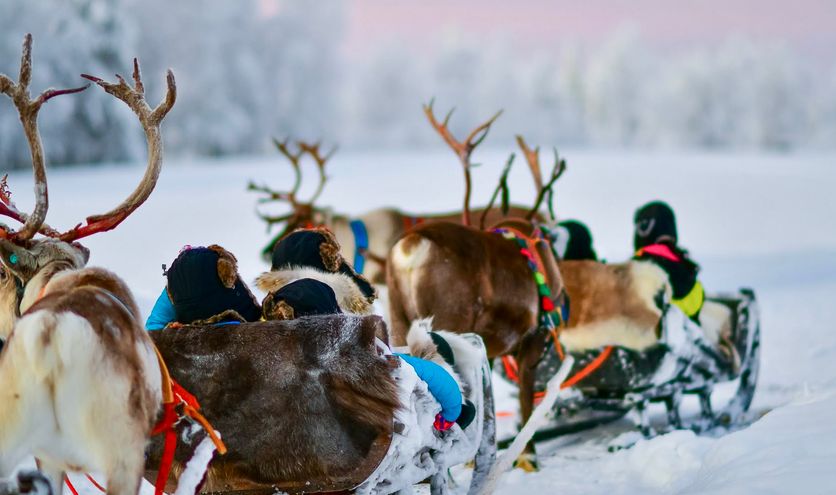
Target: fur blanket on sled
294,400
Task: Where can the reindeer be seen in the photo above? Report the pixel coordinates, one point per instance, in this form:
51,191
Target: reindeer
80,384
611,304
470,280
368,237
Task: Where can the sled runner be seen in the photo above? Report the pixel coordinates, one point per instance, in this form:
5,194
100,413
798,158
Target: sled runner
617,379
310,405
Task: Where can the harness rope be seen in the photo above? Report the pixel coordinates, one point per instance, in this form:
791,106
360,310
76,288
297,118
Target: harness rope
174,395
550,317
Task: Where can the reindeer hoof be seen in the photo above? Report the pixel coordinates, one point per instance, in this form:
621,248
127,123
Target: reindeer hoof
527,462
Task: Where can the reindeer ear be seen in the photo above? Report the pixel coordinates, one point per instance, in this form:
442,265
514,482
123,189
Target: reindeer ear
18,260
85,253
227,266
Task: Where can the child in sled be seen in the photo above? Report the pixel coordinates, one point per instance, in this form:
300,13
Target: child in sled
655,239
203,287
309,278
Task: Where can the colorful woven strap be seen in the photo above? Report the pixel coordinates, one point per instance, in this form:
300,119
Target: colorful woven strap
550,316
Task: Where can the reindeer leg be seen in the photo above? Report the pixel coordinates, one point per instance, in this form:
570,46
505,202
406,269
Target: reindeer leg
398,319
528,355
125,474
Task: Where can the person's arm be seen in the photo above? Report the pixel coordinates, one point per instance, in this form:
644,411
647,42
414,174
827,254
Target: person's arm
441,384
162,314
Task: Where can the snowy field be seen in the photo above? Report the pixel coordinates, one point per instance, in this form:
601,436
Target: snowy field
763,221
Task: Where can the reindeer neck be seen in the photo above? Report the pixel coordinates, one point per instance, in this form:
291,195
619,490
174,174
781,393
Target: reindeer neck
34,288
13,398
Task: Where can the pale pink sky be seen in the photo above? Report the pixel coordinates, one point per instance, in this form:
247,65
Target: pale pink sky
807,24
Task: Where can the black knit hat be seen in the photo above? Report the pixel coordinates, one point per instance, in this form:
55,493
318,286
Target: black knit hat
304,297
319,249
654,223
203,282
579,244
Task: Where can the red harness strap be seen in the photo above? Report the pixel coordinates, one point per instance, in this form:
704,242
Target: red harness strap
174,395
511,369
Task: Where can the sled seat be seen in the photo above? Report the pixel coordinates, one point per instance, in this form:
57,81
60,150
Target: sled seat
295,401
683,355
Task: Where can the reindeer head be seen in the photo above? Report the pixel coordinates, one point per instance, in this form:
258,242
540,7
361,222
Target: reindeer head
304,214
28,263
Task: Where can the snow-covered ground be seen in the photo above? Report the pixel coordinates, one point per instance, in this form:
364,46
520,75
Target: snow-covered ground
763,221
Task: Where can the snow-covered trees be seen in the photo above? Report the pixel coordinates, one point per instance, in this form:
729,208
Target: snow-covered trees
70,37
250,69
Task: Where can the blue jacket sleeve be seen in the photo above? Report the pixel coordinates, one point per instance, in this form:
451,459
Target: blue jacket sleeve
162,314
442,386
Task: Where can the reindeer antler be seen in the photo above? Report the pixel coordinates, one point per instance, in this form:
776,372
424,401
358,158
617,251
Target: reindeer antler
290,196
463,149
313,150
294,158
533,159
28,110
150,120
301,209
502,187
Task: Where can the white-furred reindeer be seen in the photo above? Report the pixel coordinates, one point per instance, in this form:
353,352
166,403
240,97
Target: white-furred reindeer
80,384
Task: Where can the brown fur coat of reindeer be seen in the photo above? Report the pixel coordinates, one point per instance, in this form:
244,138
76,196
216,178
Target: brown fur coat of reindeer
80,385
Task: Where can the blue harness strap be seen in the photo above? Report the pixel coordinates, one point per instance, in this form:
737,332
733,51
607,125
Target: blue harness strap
361,244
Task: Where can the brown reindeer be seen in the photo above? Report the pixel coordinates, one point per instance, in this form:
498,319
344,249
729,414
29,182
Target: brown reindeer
80,385
383,226
471,280
611,304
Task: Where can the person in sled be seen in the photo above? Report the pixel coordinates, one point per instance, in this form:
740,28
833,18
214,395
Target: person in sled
573,241
655,239
315,254
310,297
203,287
